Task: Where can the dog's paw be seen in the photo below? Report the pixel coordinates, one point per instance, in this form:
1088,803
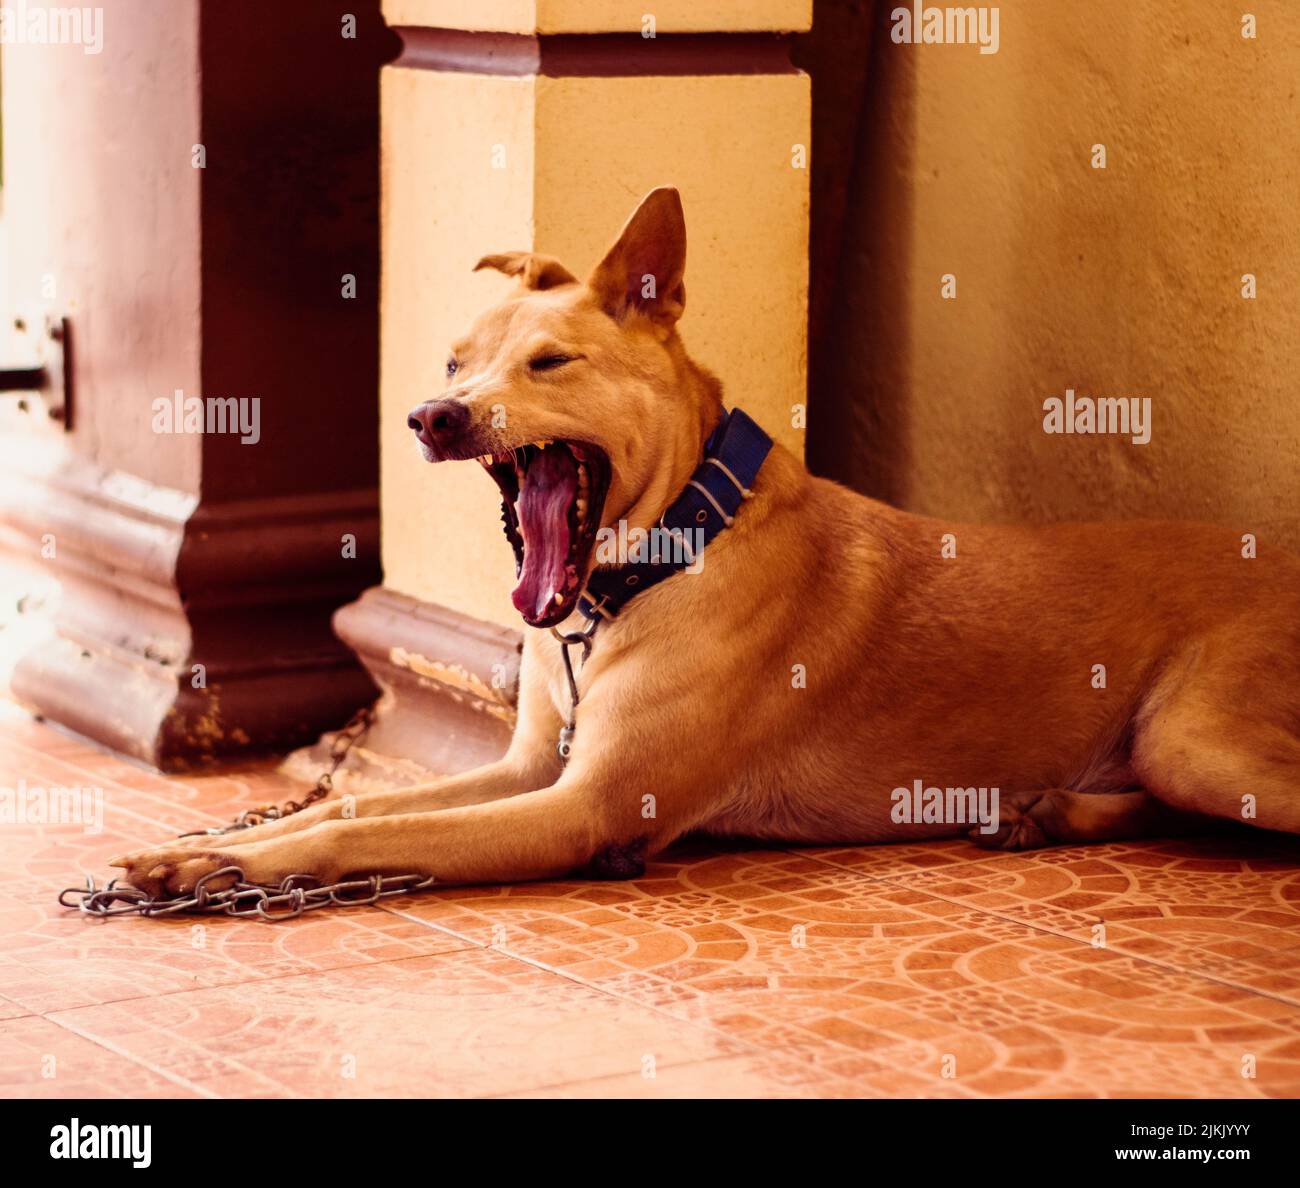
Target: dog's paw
1017,829
173,870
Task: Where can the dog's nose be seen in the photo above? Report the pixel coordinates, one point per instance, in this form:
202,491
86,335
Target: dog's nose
437,422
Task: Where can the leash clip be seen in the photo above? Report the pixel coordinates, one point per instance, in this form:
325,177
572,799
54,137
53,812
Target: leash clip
568,639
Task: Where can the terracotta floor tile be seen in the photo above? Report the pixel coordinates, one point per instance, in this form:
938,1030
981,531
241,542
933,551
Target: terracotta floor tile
882,969
39,1058
464,1023
166,804
779,1073
931,970
54,959
1226,907
12,1010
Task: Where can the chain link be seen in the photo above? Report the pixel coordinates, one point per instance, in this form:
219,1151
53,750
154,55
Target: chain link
343,742
569,639
291,897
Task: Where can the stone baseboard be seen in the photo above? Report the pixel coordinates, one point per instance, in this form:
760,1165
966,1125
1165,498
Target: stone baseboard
448,682
154,590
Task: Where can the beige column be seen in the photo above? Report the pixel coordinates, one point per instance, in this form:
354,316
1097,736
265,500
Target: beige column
538,124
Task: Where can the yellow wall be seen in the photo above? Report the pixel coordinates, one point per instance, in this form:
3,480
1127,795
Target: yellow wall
725,142
600,16
578,155
440,525
1122,282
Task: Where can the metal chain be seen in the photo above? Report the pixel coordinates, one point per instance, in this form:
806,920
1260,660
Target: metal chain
285,900
242,899
569,639
357,728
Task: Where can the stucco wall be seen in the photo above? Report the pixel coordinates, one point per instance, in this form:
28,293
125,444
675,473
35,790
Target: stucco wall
1119,282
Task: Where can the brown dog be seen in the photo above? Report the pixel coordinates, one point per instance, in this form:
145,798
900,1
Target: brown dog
830,670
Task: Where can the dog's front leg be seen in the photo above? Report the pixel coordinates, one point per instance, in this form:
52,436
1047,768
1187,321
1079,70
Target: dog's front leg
549,833
530,763
611,807
510,776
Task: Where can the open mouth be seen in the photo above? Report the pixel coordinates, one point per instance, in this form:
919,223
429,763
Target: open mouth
553,494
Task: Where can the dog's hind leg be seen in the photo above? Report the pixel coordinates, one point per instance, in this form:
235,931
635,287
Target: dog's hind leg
1060,816
1218,736
1234,767
1221,733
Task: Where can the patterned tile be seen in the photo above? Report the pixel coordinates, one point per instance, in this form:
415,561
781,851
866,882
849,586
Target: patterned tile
780,1072
468,1023
779,951
1227,907
168,804
54,959
39,1058
935,970
12,1010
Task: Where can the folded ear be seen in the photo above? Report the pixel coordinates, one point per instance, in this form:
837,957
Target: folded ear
643,271
535,271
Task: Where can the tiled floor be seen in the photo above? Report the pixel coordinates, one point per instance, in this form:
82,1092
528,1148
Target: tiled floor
1146,969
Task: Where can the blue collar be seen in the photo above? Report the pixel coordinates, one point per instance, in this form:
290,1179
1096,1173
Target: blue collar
733,456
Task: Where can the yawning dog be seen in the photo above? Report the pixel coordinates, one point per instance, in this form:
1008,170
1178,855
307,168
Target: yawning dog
814,665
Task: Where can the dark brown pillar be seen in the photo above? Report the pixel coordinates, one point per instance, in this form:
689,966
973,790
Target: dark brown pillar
197,574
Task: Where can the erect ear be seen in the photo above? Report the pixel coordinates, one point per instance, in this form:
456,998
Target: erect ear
535,271
643,271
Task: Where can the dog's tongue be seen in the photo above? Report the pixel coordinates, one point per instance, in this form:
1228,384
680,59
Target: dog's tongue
550,487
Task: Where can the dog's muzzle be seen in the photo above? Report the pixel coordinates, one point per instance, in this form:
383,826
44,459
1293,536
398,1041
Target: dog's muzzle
440,428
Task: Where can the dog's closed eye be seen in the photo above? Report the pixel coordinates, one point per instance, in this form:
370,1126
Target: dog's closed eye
549,362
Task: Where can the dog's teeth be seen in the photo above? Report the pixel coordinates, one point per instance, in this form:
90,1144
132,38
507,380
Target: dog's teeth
582,509
559,598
